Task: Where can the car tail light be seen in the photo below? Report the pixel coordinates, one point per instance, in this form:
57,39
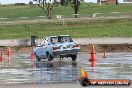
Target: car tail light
77,45
56,47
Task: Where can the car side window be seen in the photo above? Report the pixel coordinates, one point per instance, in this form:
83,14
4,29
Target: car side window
65,39
46,41
42,42
60,39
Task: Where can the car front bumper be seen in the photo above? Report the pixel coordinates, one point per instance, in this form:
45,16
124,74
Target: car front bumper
67,52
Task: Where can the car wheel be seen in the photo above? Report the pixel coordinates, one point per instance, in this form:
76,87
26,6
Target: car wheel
50,58
38,59
74,57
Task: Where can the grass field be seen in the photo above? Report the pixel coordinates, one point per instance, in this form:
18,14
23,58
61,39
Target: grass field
13,12
104,28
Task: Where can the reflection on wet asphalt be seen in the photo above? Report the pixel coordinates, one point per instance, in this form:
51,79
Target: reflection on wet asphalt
115,66
42,72
60,71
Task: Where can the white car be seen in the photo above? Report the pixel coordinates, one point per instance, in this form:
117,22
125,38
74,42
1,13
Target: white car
57,46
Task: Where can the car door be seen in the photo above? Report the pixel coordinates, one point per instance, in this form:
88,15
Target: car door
41,50
49,46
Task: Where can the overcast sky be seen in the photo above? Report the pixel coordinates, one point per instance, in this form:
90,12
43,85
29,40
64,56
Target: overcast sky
14,1
27,1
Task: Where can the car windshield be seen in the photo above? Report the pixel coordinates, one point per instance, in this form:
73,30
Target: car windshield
65,39
54,40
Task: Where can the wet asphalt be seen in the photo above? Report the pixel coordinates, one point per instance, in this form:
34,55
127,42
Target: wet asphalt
22,70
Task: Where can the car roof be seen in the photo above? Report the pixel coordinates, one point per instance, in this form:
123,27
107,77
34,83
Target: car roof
53,36
56,36
64,35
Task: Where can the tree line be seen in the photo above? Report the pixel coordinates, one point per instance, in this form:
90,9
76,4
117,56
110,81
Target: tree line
48,5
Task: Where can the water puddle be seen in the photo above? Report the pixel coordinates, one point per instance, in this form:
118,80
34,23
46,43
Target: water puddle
22,70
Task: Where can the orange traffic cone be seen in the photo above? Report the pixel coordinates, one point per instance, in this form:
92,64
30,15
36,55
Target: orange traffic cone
33,59
93,64
32,55
104,55
1,58
93,54
9,52
9,55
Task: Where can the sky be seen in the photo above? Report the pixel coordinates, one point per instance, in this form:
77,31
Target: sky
27,1
14,1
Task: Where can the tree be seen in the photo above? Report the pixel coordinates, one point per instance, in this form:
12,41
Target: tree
64,2
76,4
47,6
30,3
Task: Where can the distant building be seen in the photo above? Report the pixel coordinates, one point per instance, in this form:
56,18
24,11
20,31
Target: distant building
109,1
112,1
